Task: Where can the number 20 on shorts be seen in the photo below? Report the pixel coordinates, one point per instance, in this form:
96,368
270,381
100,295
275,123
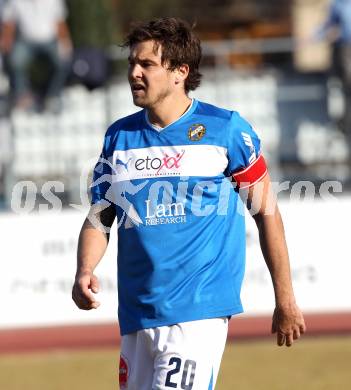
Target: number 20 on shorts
188,373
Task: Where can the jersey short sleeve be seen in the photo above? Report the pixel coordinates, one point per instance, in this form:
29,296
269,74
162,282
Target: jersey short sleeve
102,174
246,163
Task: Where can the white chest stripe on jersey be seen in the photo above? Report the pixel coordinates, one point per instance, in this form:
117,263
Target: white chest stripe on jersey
169,161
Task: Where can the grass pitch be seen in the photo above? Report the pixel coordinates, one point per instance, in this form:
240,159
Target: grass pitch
311,364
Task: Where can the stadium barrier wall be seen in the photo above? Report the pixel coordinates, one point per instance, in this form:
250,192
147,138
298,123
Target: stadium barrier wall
38,264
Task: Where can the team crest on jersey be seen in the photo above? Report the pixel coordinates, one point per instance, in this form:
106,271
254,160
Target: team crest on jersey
196,132
123,372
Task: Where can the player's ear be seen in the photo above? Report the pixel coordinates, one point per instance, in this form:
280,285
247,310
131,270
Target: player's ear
181,73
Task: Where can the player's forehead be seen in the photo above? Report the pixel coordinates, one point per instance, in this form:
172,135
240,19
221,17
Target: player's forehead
146,50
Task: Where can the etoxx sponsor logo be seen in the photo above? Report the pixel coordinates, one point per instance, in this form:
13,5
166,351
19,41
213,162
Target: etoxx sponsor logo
149,162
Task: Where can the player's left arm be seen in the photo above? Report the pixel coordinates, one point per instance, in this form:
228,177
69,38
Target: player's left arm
288,322
248,169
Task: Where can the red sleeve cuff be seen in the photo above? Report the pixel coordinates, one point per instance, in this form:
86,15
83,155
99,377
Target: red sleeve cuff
252,174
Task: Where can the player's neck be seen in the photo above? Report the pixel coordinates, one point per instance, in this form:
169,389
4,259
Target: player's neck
168,111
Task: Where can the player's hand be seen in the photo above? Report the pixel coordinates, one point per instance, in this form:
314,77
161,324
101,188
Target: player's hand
85,284
288,324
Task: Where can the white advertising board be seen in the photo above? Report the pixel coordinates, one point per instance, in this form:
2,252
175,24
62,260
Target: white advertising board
318,240
38,260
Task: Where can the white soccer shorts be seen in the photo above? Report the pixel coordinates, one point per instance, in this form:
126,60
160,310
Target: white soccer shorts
183,356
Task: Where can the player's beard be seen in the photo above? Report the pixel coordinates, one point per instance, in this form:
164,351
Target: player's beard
151,102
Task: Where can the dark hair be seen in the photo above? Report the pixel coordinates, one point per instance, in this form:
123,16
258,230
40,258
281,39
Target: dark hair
178,42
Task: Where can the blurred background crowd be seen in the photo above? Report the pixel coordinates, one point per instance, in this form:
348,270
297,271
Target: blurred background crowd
284,65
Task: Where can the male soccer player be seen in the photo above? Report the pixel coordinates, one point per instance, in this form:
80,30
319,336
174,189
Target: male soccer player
164,172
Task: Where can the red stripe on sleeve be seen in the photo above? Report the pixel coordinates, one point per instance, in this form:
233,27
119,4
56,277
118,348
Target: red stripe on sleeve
252,174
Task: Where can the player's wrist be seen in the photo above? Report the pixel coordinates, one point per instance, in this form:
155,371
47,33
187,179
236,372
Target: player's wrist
286,302
84,271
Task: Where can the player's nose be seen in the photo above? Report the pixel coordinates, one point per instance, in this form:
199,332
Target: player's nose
135,72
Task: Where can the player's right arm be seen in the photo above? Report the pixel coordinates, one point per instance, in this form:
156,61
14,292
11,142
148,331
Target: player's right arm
92,244
94,235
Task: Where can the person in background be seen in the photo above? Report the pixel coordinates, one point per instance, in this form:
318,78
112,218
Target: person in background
30,28
2,5
337,29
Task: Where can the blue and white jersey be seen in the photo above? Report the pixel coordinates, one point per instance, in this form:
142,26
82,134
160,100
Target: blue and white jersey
181,228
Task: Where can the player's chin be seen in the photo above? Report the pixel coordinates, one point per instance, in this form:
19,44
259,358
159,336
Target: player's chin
139,101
